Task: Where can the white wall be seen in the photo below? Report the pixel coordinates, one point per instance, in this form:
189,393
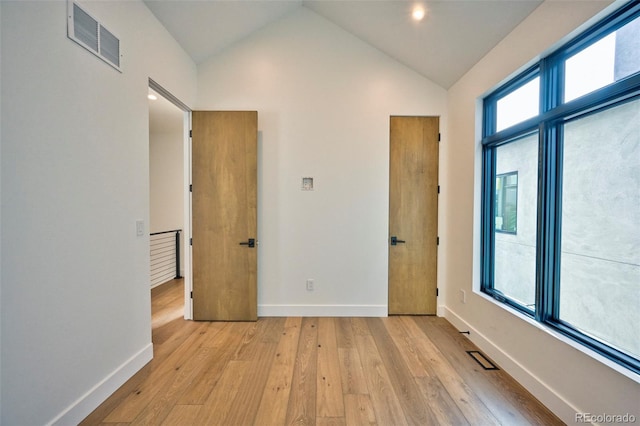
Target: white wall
166,179
561,376
166,174
323,99
75,178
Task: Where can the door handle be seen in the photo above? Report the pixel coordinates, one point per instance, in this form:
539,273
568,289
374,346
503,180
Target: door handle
250,243
396,241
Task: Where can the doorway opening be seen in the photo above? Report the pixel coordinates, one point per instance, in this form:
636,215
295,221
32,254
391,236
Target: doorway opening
169,196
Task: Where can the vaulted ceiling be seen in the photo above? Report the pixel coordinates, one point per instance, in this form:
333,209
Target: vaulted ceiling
453,36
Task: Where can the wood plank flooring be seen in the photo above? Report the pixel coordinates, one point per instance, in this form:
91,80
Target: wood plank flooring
313,371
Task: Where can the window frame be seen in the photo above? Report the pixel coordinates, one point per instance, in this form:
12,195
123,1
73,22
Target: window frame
553,114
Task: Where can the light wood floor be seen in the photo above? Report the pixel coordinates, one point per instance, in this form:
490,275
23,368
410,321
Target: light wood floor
313,371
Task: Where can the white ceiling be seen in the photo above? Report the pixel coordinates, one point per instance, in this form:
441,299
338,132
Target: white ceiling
454,35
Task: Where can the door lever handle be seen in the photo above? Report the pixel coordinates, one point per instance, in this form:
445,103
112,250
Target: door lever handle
396,241
250,243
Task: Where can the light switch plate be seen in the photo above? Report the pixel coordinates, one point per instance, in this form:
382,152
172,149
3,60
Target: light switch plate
139,228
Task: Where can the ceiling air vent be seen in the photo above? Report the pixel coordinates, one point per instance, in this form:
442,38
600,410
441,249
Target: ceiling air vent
85,30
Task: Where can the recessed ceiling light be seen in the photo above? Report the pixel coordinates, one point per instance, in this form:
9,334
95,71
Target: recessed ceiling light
152,96
418,13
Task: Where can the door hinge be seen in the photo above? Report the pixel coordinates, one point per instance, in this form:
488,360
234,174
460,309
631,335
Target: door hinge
437,241
191,188
192,295
437,292
439,136
190,133
438,189
190,241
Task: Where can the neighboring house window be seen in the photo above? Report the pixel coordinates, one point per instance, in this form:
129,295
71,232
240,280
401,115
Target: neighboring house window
507,202
561,189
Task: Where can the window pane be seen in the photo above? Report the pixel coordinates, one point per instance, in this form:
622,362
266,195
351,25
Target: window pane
519,105
507,202
515,254
600,250
610,59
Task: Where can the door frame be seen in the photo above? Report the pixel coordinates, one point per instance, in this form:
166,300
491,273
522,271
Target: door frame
186,235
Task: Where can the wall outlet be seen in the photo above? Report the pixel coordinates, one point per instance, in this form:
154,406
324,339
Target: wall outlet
463,296
139,228
310,285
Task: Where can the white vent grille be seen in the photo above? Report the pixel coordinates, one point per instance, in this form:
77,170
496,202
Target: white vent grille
85,30
109,46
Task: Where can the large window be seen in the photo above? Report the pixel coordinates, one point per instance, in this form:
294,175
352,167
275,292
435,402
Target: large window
561,190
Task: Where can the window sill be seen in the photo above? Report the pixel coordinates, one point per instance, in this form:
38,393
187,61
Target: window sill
559,336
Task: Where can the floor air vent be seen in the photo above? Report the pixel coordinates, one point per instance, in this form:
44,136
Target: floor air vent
85,30
482,360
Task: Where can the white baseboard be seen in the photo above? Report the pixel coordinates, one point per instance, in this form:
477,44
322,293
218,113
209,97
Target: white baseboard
551,399
84,405
322,310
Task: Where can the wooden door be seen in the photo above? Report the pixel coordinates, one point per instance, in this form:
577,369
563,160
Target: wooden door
413,215
224,205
